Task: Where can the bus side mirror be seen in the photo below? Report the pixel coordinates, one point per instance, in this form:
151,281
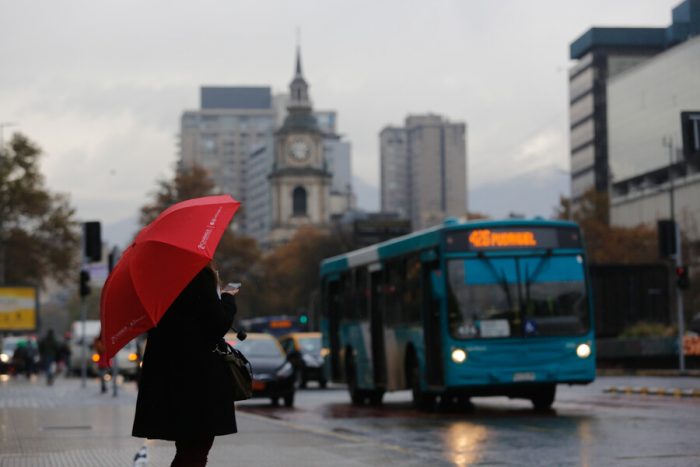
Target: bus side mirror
438,284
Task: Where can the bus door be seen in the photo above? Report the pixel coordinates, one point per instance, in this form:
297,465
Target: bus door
431,325
333,308
377,325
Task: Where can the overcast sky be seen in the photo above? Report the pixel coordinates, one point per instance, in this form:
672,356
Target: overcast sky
101,85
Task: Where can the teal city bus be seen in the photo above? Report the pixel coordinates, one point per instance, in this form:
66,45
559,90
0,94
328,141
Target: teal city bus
459,310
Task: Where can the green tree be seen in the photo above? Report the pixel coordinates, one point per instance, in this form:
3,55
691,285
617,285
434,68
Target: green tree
39,236
237,256
188,183
291,271
606,243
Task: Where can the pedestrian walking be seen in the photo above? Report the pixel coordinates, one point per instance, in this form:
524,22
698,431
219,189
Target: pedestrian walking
185,393
48,351
102,364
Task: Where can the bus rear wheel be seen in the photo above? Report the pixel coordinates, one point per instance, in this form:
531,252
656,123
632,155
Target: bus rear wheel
543,398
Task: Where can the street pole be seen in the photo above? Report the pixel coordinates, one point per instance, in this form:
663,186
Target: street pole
678,256
679,301
83,343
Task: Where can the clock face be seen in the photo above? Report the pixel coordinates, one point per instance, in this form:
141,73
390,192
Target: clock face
299,150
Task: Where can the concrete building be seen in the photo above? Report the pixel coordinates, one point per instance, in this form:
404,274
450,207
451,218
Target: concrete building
394,174
428,180
221,134
600,55
647,151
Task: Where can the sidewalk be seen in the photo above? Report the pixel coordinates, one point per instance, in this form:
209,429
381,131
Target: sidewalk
67,425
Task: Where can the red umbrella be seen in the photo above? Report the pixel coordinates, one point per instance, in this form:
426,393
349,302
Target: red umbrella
163,259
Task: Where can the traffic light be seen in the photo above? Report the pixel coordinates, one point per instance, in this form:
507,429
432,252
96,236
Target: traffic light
84,283
667,237
682,279
92,238
303,319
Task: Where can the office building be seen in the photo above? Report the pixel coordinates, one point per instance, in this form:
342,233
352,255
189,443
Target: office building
424,170
654,140
600,55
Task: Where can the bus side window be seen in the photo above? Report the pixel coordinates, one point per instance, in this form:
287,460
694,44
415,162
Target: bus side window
394,279
412,292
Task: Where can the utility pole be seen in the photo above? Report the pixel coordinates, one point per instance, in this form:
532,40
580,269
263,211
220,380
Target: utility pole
678,256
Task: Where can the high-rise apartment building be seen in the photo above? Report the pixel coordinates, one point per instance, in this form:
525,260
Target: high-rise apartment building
601,54
221,134
424,170
394,174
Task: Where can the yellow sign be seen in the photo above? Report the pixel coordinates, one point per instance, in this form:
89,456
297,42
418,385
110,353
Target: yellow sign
485,238
17,308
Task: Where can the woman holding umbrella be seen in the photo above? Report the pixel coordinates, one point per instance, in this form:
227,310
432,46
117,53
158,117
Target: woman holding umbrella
185,392
165,283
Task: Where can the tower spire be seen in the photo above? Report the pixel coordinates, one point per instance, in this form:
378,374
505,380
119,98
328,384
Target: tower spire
298,69
298,88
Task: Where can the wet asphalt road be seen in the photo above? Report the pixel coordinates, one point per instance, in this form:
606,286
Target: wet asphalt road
588,426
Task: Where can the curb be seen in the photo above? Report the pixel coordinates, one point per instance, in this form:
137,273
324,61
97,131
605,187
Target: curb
669,392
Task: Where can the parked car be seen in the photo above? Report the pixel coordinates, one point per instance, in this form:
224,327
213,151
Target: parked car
19,354
305,352
273,374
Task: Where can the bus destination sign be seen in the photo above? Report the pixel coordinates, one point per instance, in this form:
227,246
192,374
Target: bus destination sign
487,239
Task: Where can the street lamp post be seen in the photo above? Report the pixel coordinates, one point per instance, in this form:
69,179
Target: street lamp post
678,255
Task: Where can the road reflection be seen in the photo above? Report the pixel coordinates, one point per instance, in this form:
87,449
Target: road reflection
464,442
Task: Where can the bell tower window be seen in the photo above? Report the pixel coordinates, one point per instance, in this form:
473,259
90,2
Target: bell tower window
299,201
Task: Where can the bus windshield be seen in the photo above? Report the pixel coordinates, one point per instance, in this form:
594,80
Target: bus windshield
517,297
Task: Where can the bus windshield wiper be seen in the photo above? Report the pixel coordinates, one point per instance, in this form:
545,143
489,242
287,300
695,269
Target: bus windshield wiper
499,275
530,278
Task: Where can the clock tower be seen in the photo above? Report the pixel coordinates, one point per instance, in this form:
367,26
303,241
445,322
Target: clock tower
300,179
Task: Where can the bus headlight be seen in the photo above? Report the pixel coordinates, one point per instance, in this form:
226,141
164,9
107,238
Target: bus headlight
459,355
583,350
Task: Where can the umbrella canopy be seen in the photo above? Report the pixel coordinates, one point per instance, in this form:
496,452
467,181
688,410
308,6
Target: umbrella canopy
163,259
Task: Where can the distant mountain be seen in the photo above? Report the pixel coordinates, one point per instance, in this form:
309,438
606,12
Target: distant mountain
533,194
367,194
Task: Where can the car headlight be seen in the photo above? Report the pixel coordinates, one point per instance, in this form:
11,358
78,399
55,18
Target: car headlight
4,358
325,352
583,351
459,355
285,370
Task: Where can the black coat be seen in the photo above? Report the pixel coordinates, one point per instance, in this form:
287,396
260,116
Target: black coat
185,391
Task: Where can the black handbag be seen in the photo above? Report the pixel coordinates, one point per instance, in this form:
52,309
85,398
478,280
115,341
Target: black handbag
241,369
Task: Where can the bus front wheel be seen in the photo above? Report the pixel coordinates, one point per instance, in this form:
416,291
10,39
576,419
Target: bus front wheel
421,399
356,395
543,398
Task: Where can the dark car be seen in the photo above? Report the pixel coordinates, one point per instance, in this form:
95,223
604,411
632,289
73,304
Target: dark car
273,374
307,355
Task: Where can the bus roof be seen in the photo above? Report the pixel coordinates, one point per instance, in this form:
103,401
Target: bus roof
423,239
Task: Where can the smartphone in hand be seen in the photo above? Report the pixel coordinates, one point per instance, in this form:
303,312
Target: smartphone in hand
232,287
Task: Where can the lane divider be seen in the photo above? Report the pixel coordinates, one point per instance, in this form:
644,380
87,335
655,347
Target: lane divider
651,391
